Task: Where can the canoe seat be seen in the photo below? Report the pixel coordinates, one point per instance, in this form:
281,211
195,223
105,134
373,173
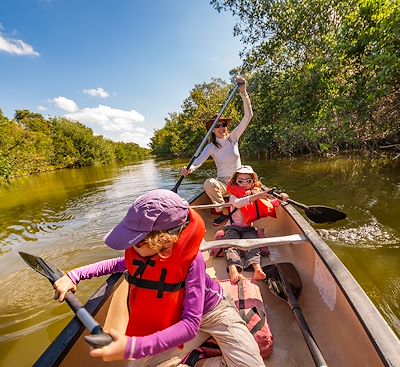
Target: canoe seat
245,244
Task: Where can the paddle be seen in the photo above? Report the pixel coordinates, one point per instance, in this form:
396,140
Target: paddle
98,338
284,281
317,213
204,141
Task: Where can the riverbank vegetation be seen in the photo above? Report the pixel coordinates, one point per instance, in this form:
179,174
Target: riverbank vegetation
324,76
30,143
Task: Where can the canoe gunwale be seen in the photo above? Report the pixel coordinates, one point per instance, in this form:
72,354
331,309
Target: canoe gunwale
381,335
59,348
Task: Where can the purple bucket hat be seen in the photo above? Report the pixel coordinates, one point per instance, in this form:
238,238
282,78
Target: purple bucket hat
156,210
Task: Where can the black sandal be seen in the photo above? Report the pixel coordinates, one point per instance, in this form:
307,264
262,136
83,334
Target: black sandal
220,220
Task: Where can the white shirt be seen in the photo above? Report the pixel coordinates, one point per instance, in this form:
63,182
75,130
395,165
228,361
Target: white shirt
227,157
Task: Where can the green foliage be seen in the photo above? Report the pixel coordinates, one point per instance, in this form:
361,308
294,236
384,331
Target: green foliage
31,144
325,73
183,132
325,77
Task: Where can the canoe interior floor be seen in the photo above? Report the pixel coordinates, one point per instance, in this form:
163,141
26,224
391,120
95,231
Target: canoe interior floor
289,347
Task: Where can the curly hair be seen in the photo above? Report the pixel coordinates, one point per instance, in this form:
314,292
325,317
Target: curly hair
162,242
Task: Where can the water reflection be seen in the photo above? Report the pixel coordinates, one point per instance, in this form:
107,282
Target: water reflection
63,216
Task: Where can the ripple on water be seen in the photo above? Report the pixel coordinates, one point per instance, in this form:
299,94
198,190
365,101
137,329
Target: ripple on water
26,306
30,230
370,235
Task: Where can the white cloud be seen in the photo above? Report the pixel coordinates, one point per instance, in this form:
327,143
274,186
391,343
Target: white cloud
96,92
108,118
16,47
114,124
67,105
42,108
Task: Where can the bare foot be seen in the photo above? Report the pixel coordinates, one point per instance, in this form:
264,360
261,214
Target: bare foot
234,275
259,274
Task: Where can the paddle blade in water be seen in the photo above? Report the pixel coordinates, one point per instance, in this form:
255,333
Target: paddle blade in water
324,214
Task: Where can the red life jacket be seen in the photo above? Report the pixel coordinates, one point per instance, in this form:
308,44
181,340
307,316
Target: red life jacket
260,208
156,285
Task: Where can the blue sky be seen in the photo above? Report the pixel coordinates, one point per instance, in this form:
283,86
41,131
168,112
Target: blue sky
118,66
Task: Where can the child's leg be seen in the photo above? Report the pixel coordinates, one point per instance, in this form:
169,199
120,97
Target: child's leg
232,256
237,345
234,262
258,272
234,274
253,257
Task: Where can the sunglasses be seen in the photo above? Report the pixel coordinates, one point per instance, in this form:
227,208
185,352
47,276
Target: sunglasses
223,124
246,181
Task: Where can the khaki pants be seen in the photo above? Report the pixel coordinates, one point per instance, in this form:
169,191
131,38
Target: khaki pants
238,347
215,188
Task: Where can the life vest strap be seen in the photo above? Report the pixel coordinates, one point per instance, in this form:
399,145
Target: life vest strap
158,286
257,209
249,315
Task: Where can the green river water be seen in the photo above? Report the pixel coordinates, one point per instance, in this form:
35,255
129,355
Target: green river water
63,216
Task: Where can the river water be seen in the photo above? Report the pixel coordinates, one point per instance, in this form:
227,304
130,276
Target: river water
62,216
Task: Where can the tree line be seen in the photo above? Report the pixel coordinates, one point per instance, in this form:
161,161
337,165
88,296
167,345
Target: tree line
30,143
324,76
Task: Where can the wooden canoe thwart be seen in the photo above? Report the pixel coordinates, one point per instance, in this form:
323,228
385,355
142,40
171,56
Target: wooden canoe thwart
330,309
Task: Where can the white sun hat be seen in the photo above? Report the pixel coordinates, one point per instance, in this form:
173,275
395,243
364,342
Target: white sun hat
245,169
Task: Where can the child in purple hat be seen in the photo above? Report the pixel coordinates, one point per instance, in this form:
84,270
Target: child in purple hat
171,298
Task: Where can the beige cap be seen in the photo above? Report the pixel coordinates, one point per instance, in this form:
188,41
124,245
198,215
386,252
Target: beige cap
245,169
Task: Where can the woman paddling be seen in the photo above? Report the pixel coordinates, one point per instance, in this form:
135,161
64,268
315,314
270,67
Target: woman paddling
224,149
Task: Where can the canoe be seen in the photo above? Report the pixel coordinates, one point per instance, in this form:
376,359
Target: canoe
342,321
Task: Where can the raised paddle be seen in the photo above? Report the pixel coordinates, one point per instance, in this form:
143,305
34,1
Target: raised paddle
284,281
317,213
98,338
204,141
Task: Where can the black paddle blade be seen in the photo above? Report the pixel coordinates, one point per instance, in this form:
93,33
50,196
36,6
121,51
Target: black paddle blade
324,214
38,264
281,275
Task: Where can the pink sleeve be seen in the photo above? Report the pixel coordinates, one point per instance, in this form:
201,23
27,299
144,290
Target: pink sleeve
202,157
98,269
238,202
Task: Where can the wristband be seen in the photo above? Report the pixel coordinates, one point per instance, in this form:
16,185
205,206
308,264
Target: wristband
130,348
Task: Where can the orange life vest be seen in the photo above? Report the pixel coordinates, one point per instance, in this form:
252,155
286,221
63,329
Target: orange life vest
260,208
156,285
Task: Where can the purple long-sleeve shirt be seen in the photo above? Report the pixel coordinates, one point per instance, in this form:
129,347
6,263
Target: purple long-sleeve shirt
202,295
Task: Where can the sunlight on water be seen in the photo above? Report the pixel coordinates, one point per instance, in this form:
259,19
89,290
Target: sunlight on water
370,235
